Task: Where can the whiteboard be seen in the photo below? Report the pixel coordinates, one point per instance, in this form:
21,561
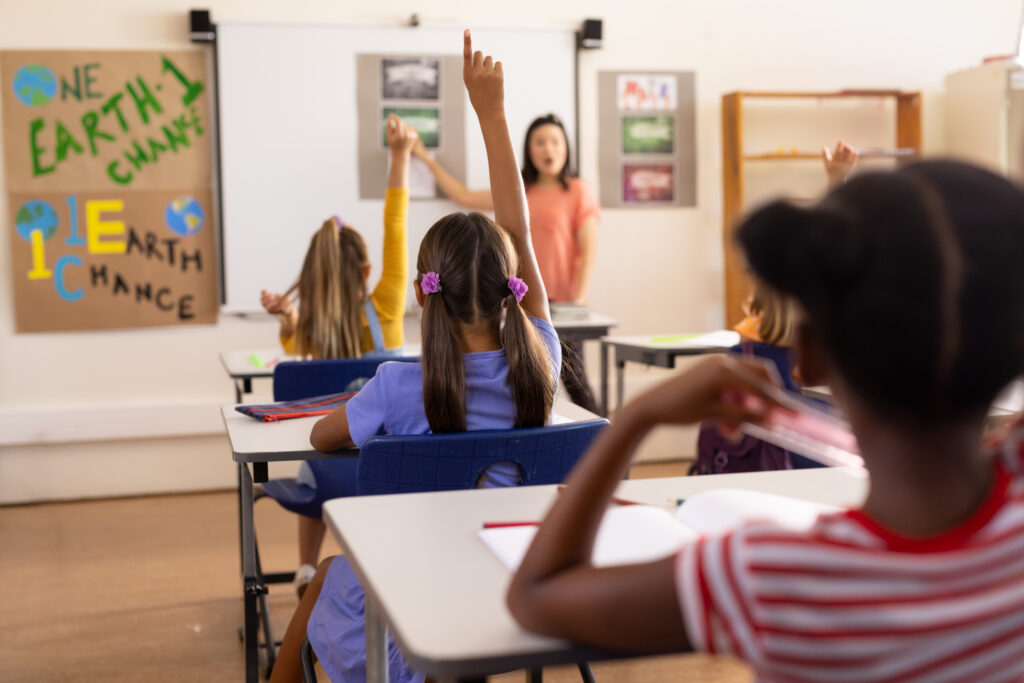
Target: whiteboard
288,135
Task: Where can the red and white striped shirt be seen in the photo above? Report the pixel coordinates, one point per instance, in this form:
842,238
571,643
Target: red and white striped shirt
848,600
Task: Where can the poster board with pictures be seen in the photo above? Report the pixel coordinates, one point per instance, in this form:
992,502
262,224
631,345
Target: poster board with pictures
108,177
302,137
648,121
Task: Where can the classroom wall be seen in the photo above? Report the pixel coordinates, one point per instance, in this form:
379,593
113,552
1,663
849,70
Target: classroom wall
145,401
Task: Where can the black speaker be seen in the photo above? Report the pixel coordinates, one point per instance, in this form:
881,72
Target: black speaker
590,36
201,30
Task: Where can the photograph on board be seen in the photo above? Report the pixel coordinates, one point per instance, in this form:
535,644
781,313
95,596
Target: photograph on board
410,78
646,92
648,134
648,183
426,121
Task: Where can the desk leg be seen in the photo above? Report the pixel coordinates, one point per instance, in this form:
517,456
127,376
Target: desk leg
250,588
604,378
376,642
620,383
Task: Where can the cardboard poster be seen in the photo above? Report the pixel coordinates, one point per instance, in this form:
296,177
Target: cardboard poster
108,173
646,92
648,183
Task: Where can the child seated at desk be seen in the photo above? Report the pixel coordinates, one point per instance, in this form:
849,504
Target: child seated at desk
336,317
912,296
475,372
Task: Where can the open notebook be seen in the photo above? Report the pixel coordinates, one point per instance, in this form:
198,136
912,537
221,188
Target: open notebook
641,533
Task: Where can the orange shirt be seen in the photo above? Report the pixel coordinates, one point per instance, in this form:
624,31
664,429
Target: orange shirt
555,219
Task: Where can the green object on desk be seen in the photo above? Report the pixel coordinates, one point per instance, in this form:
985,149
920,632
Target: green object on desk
255,359
667,339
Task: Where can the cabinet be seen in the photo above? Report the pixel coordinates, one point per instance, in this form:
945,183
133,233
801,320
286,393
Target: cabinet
738,154
984,109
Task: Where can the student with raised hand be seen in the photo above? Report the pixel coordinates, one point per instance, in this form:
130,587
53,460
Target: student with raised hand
475,372
335,316
912,300
564,215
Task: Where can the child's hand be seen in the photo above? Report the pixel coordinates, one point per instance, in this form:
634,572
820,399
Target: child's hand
839,163
484,79
401,136
276,303
419,150
731,390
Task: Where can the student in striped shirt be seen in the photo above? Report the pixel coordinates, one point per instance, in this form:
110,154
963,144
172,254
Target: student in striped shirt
911,290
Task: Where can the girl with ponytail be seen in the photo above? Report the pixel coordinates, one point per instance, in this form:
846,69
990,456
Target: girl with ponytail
337,316
490,360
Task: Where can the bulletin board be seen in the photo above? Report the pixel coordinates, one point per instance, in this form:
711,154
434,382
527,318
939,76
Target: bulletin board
648,122
301,108
108,178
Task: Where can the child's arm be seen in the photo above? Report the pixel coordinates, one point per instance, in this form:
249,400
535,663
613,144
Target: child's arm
839,163
389,295
451,186
485,83
331,432
556,591
282,306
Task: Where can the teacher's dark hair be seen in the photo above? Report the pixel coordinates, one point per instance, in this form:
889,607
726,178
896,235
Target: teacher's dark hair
530,172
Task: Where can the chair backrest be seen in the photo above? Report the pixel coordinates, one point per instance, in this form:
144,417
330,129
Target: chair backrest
443,462
303,378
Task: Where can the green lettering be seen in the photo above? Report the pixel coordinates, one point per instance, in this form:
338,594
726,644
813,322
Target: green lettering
76,90
116,176
138,160
89,122
192,88
64,141
34,127
113,104
89,80
175,138
154,150
145,100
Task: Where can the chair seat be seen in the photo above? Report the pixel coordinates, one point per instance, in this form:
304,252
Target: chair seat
293,496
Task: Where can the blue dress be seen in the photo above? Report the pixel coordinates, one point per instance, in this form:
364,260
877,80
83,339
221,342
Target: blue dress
392,403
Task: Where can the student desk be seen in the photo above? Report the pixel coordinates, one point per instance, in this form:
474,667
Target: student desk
659,351
254,444
431,581
593,326
242,370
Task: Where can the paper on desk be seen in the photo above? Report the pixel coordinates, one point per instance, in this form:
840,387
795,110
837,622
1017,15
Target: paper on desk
717,339
632,533
641,533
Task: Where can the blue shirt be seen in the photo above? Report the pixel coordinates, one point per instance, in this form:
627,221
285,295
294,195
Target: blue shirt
392,402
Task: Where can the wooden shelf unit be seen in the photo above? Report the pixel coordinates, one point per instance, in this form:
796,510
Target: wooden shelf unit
907,147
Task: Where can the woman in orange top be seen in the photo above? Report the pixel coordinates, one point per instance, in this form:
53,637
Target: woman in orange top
564,216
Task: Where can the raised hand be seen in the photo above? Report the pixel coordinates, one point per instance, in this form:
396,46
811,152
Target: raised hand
402,138
839,163
276,303
485,81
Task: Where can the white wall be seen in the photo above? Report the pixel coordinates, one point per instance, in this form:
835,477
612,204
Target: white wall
658,270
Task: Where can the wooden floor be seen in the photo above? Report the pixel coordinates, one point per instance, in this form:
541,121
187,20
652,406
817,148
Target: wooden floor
147,589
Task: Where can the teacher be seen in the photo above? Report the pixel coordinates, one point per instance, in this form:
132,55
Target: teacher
564,216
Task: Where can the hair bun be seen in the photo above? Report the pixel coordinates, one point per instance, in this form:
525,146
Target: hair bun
799,251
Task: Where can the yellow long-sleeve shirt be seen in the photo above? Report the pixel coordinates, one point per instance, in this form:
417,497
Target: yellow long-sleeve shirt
389,296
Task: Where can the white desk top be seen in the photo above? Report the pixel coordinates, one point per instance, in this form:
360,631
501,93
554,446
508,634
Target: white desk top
239,364
592,320
444,592
255,441
720,339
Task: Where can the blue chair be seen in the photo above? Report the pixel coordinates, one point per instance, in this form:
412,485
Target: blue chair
446,462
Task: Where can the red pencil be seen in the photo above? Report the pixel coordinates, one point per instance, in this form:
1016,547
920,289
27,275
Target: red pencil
499,525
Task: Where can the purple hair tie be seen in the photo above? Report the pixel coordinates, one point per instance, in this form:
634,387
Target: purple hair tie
430,283
518,288
341,223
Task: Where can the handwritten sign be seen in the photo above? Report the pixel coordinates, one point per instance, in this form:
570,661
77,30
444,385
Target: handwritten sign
107,159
